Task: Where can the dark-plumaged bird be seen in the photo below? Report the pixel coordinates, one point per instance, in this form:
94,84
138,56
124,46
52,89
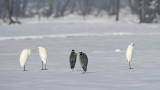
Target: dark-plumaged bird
83,60
72,59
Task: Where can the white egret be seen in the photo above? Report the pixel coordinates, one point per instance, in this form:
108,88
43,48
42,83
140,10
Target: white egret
43,56
72,59
83,60
129,53
24,57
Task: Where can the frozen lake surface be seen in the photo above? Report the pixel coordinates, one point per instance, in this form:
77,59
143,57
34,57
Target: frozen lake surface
104,43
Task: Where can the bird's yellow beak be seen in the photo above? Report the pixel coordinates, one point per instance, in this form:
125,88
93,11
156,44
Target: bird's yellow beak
77,53
34,49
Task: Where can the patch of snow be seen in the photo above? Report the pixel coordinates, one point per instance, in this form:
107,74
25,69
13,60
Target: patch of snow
117,50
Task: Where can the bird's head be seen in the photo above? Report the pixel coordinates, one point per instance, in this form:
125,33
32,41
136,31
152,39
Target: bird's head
81,53
32,50
77,54
29,51
132,44
40,47
72,50
36,49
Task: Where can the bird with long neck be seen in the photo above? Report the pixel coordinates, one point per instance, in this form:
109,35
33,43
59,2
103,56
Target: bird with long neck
24,57
130,53
83,61
43,55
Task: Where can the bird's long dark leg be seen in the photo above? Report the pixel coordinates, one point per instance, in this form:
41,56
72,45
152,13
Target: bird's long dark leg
45,67
42,65
24,68
130,66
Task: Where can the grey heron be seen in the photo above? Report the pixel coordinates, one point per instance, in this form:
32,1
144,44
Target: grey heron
83,61
72,59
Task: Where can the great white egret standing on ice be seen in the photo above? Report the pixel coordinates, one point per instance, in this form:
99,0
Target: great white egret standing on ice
83,60
129,53
24,57
72,59
43,56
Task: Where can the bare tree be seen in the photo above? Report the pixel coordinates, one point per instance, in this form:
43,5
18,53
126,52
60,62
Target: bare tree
10,10
117,14
64,7
50,5
147,10
112,7
73,6
134,4
17,8
25,2
85,9
79,3
57,9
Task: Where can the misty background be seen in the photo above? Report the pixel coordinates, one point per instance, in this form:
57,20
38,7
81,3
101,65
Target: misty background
12,11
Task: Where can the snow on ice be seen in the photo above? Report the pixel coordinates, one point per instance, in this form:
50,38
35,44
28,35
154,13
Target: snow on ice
107,69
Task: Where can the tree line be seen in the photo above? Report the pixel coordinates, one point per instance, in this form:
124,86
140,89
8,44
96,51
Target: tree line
11,10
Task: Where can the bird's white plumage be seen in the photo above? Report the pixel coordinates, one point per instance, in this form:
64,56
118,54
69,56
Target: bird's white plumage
130,52
43,54
24,56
